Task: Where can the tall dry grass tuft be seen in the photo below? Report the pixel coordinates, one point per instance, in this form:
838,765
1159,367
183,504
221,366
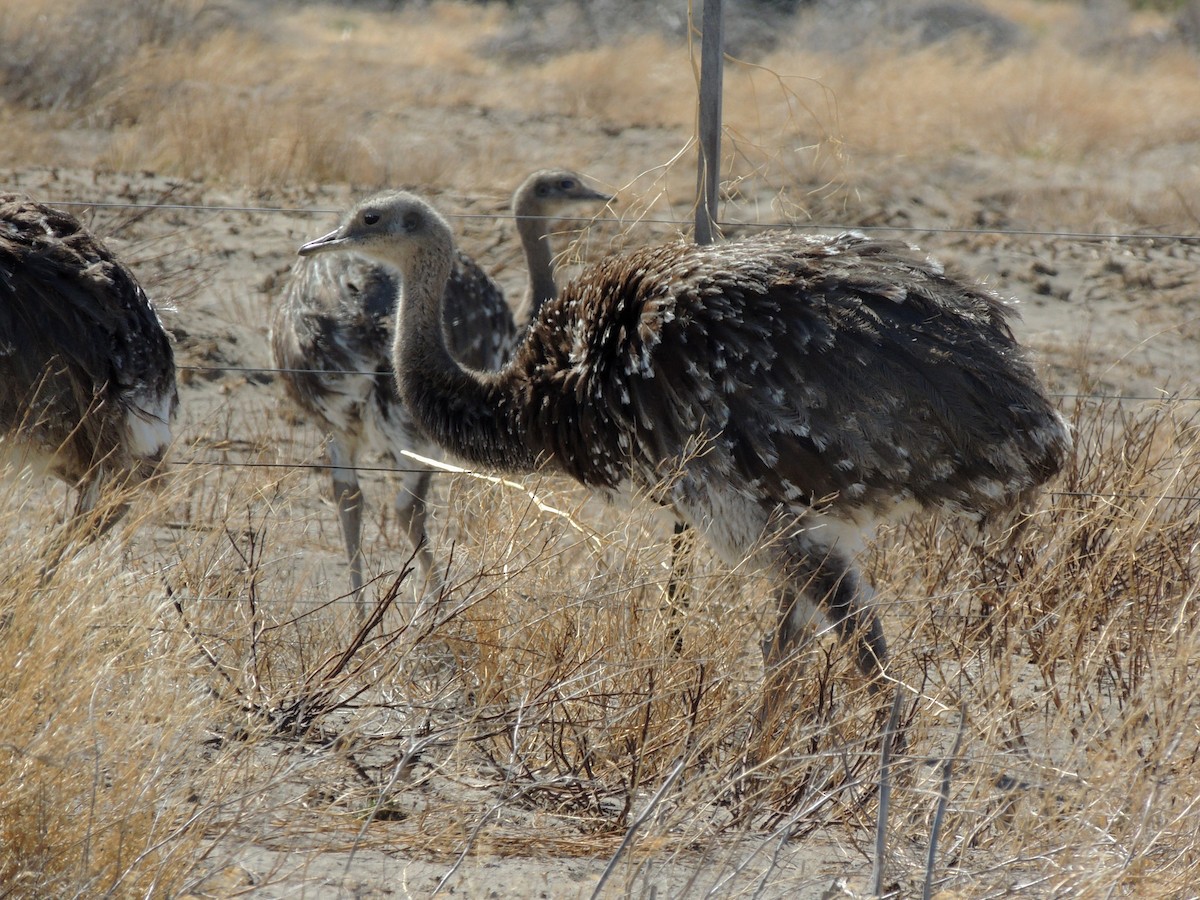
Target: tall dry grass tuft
1070,654
97,715
67,55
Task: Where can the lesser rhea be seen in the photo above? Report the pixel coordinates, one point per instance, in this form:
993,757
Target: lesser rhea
782,393
332,339
87,375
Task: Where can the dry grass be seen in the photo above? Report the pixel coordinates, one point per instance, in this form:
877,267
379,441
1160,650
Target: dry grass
199,683
1051,103
1070,656
324,95
100,719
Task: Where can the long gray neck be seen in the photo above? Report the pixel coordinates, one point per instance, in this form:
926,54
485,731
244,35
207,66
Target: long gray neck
534,230
464,412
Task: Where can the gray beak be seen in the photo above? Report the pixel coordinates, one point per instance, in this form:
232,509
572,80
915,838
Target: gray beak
330,241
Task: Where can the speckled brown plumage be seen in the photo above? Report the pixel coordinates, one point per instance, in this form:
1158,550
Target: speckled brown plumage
783,393
336,318
807,368
87,374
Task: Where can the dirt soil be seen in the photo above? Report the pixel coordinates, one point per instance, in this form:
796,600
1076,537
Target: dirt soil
213,259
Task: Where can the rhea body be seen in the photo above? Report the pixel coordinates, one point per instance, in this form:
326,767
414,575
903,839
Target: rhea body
87,374
332,338
784,394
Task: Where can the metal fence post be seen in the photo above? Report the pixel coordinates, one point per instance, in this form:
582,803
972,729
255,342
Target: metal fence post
708,177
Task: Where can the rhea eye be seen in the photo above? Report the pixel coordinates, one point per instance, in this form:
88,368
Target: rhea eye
567,184
371,218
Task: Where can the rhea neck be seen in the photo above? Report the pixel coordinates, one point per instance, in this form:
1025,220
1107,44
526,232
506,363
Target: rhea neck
458,408
419,334
533,227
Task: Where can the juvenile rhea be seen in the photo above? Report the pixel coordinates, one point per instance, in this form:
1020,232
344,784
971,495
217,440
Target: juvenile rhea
332,339
87,375
783,394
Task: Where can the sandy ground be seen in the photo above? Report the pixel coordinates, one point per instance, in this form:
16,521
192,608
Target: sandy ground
214,260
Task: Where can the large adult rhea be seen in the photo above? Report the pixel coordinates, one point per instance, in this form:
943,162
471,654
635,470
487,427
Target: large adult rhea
332,340
782,393
87,376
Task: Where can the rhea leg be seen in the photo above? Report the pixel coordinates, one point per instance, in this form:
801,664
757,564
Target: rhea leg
100,505
412,514
820,582
348,495
677,596
86,520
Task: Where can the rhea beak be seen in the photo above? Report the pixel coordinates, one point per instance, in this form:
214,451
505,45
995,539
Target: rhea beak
331,241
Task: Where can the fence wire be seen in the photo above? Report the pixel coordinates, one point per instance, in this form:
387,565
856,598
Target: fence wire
1100,236
367,373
